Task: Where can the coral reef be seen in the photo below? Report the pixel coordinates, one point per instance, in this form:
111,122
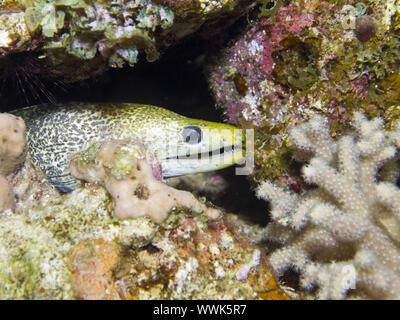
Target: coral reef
299,58
12,154
65,246
124,169
102,34
126,234
343,235
190,258
68,246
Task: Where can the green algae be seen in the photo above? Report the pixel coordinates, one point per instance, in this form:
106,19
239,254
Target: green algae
296,63
88,156
122,166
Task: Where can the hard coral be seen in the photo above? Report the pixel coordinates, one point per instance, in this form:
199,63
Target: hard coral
124,170
343,236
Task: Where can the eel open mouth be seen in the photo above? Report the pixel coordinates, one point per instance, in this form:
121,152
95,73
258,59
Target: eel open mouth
207,154
202,161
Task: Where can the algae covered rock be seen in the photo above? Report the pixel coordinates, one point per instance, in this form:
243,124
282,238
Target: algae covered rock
188,258
306,57
102,34
71,246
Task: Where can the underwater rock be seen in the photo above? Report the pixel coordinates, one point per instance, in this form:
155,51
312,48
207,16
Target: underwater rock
71,246
102,34
91,263
211,184
303,58
31,187
192,258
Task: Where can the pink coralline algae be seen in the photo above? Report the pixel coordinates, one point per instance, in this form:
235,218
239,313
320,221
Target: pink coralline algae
253,53
305,59
245,81
253,61
360,87
290,20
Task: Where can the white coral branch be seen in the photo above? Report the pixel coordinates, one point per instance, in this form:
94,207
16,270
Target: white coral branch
351,221
283,203
316,130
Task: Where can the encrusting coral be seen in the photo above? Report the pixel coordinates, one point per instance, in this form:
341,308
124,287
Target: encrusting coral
12,154
125,170
344,235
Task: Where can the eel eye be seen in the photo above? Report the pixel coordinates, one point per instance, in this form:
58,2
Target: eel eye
192,134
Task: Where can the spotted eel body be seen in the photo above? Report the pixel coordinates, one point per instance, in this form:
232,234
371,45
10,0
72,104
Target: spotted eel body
56,132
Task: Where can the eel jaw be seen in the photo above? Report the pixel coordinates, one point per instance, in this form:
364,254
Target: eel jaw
178,165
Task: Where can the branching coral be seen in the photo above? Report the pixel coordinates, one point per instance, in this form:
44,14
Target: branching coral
344,235
124,169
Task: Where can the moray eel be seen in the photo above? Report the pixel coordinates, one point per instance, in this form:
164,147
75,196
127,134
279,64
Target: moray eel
180,144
